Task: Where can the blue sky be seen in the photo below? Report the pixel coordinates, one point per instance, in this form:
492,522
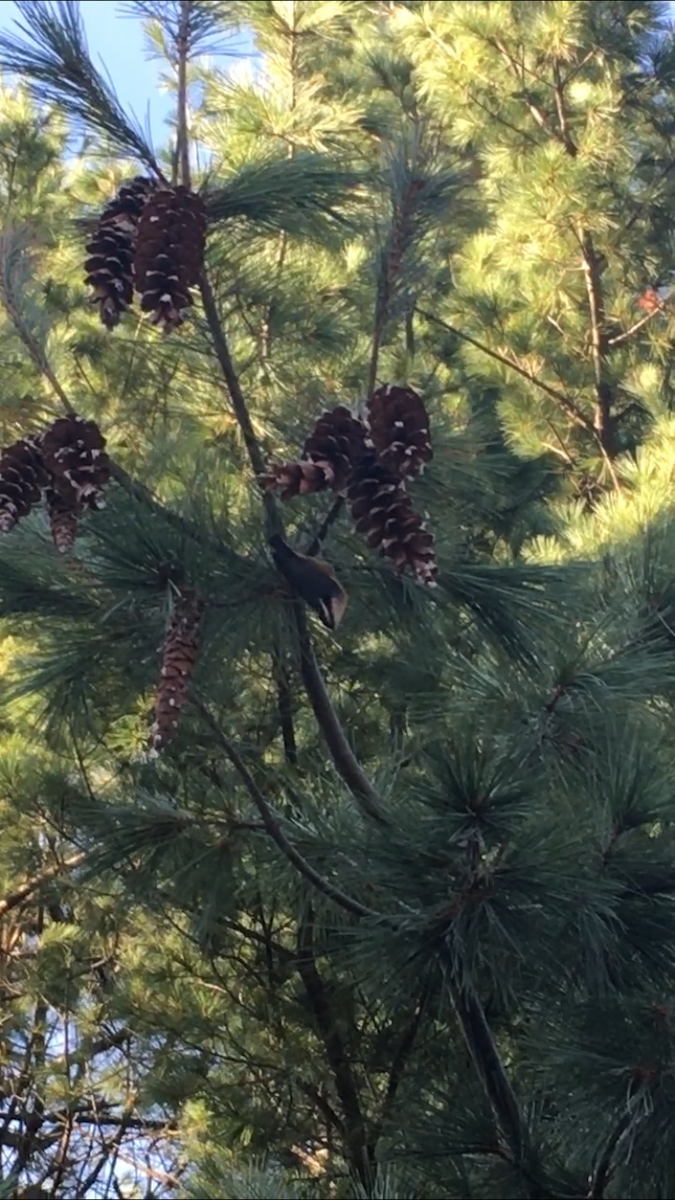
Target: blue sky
118,42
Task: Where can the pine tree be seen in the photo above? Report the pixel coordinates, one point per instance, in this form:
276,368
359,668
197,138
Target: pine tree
388,910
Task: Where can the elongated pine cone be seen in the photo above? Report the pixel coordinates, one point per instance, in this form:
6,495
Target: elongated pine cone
398,426
22,478
169,254
179,655
63,511
329,455
110,251
384,515
73,450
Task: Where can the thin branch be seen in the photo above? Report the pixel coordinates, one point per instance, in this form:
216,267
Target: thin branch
222,352
19,897
273,827
565,135
569,406
346,763
596,307
9,248
356,1142
603,1171
603,422
325,526
285,710
623,337
400,1058
182,52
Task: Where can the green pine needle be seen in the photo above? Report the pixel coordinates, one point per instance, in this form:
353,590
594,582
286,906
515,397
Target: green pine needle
306,196
52,60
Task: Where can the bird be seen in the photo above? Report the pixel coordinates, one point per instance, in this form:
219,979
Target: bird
312,579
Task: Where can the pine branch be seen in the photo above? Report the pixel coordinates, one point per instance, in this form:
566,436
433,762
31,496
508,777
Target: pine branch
343,757
285,711
495,1081
596,307
346,763
632,329
273,827
231,378
305,196
207,21
52,61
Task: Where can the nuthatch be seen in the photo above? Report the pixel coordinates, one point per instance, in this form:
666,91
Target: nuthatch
312,579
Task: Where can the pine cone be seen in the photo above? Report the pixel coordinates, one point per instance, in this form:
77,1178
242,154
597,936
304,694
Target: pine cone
64,511
384,515
169,254
297,479
399,430
329,455
337,439
179,655
109,265
22,477
74,451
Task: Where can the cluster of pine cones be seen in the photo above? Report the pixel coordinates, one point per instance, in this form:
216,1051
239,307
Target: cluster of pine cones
370,460
150,240
65,468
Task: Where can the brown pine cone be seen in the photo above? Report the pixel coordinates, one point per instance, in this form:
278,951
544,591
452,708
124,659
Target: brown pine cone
110,251
179,655
169,254
329,455
338,439
73,450
398,426
22,478
384,515
297,479
64,511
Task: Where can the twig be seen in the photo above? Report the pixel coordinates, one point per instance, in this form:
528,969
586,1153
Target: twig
327,524
564,401
623,337
400,1058
274,829
17,898
285,710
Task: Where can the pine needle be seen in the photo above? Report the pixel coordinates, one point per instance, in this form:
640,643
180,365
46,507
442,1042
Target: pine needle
307,195
52,60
